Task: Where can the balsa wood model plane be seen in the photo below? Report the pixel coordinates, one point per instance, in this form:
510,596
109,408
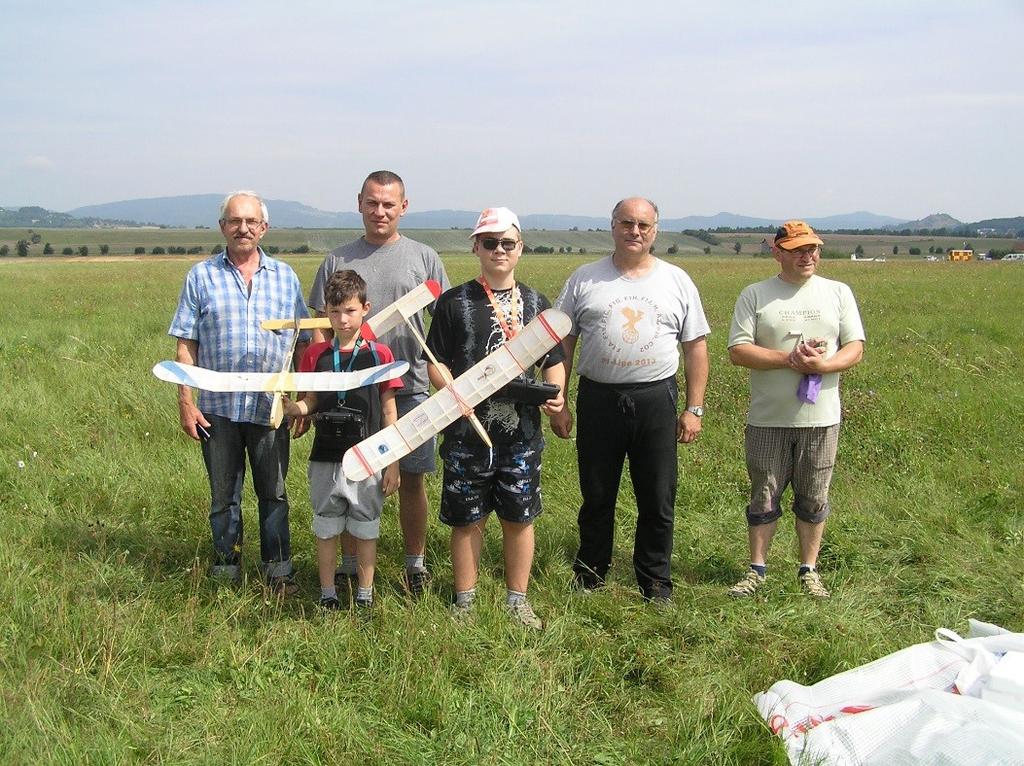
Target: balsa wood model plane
285,381
276,382
384,320
443,408
387,319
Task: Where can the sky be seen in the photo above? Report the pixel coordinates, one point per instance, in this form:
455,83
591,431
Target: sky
801,109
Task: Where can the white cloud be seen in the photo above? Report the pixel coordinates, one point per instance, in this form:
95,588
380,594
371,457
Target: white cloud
37,162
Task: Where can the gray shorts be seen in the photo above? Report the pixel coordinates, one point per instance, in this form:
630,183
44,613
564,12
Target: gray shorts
421,459
340,505
778,457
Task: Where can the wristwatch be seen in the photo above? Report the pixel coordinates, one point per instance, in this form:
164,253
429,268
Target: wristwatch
696,410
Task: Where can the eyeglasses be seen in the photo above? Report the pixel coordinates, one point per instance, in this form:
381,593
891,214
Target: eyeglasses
491,243
236,223
644,226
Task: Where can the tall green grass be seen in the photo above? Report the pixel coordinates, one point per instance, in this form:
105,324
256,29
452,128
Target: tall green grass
116,648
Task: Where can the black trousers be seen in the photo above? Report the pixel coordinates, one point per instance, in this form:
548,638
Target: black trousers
614,422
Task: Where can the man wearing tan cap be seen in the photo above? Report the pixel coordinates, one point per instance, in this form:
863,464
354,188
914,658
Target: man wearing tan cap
796,332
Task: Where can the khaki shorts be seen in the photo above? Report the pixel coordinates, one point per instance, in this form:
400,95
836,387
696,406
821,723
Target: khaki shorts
778,457
340,505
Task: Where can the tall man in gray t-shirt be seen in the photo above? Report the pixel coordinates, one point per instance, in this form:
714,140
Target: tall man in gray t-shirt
392,265
632,312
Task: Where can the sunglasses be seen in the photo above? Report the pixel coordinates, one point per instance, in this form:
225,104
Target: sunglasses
644,226
491,243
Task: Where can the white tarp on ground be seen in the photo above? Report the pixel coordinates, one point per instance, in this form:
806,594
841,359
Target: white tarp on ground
951,701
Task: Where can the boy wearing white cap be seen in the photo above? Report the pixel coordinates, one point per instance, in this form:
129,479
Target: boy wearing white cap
470,322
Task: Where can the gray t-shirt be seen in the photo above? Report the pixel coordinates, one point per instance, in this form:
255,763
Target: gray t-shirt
630,329
390,272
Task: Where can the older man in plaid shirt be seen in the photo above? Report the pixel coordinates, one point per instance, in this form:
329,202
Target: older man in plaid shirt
217,326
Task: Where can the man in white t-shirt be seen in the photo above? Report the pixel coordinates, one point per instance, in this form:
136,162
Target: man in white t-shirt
633,312
796,332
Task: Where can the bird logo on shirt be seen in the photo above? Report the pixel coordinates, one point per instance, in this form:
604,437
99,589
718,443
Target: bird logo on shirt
629,331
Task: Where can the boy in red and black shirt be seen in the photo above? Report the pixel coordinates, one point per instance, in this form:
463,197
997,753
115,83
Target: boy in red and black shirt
343,419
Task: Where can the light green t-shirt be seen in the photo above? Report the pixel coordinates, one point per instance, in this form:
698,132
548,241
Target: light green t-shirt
775,314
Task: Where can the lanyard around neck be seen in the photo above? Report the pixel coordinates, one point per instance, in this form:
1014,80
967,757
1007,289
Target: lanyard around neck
337,362
511,326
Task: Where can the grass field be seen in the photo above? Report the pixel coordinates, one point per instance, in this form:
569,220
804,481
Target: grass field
116,648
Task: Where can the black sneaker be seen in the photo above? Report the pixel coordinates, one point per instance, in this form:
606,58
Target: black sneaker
329,603
416,583
364,605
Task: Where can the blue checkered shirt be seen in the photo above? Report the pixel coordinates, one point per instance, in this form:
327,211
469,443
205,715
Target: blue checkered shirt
217,310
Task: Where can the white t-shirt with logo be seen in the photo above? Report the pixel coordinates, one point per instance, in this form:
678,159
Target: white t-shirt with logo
775,314
630,328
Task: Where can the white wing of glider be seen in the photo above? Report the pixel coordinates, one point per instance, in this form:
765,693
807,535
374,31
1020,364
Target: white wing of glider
381,322
447,405
211,380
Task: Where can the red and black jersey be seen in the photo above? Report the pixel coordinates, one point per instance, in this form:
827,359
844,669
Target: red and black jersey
328,444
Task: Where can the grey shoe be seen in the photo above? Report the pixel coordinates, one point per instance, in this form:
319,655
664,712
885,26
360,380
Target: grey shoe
364,605
524,614
461,612
748,585
329,603
811,582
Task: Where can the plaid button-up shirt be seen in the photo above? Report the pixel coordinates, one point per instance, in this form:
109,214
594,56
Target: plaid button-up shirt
218,311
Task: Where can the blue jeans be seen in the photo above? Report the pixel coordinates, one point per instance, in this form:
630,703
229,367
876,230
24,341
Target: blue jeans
224,456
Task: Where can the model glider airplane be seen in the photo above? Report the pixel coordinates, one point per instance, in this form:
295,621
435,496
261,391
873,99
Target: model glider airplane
469,389
280,382
276,382
387,319
211,380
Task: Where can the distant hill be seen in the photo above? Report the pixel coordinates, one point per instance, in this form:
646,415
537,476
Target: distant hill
859,220
716,221
1001,227
934,221
39,217
195,210
203,209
